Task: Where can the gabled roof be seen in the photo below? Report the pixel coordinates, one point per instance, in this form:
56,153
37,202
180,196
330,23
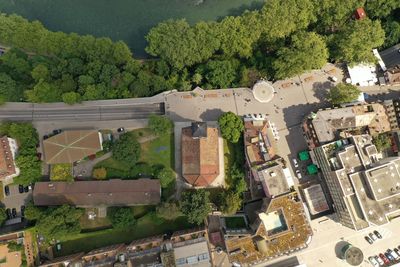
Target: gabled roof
71,146
113,192
200,157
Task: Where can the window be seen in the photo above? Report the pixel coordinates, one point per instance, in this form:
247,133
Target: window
203,256
180,261
192,259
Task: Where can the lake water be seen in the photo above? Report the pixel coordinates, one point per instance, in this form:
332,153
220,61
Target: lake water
127,20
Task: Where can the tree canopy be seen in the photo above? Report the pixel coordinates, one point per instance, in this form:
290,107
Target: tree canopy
231,126
121,217
343,93
126,148
357,39
307,51
195,204
166,177
160,125
382,142
168,210
3,216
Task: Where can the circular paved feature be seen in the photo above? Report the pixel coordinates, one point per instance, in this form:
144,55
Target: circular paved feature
263,91
352,255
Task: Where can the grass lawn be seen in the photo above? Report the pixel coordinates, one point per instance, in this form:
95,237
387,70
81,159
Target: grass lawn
159,151
140,211
145,227
235,222
95,224
115,168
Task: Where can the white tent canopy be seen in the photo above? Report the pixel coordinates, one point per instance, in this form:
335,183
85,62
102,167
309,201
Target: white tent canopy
363,74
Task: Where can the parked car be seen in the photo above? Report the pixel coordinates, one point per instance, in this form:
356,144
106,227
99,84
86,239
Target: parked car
298,174
21,188
369,240
394,254
22,210
295,163
14,212
378,234
26,189
397,251
121,130
7,190
373,261
45,137
57,131
383,257
9,215
389,256
373,237
379,260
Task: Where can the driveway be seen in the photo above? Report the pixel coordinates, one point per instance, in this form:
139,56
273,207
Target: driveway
84,169
16,199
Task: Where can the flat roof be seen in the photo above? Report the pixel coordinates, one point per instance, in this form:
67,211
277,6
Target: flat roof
114,192
193,253
71,146
273,180
384,180
316,199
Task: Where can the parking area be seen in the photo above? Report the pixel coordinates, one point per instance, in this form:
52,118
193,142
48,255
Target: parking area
15,198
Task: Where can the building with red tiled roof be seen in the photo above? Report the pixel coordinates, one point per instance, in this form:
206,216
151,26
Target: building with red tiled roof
360,13
200,155
8,149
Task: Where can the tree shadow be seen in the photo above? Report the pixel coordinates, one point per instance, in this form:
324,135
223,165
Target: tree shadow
321,90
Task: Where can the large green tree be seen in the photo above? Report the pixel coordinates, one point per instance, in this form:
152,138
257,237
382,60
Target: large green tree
43,92
306,51
160,125
355,42
121,217
381,8
220,73
195,204
59,222
343,93
231,126
279,19
166,177
126,148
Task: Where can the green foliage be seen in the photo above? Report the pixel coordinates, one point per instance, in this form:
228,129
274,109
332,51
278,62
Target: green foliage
231,126
380,8
220,73
3,215
121,217
160,125
195,204
166,177
307,51
127,148
168,211
100,173
281,18
61,172
382,142
43,92
343,93
13,246
71,98
26,160
357,39
33,213
59,222
392,30
231,203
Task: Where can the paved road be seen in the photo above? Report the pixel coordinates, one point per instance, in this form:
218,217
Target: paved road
45,112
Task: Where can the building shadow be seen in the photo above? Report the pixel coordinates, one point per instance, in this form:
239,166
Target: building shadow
211,114
321,90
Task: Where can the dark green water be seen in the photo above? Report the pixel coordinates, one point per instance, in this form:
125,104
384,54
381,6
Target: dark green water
127,20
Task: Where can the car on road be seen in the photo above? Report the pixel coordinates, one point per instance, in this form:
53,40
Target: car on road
45,137
373,261
7,190
57,131
20,188
369,240
383,257
298,174
121,130
9,215
378,234
14,212
379,260
373,237
295,163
